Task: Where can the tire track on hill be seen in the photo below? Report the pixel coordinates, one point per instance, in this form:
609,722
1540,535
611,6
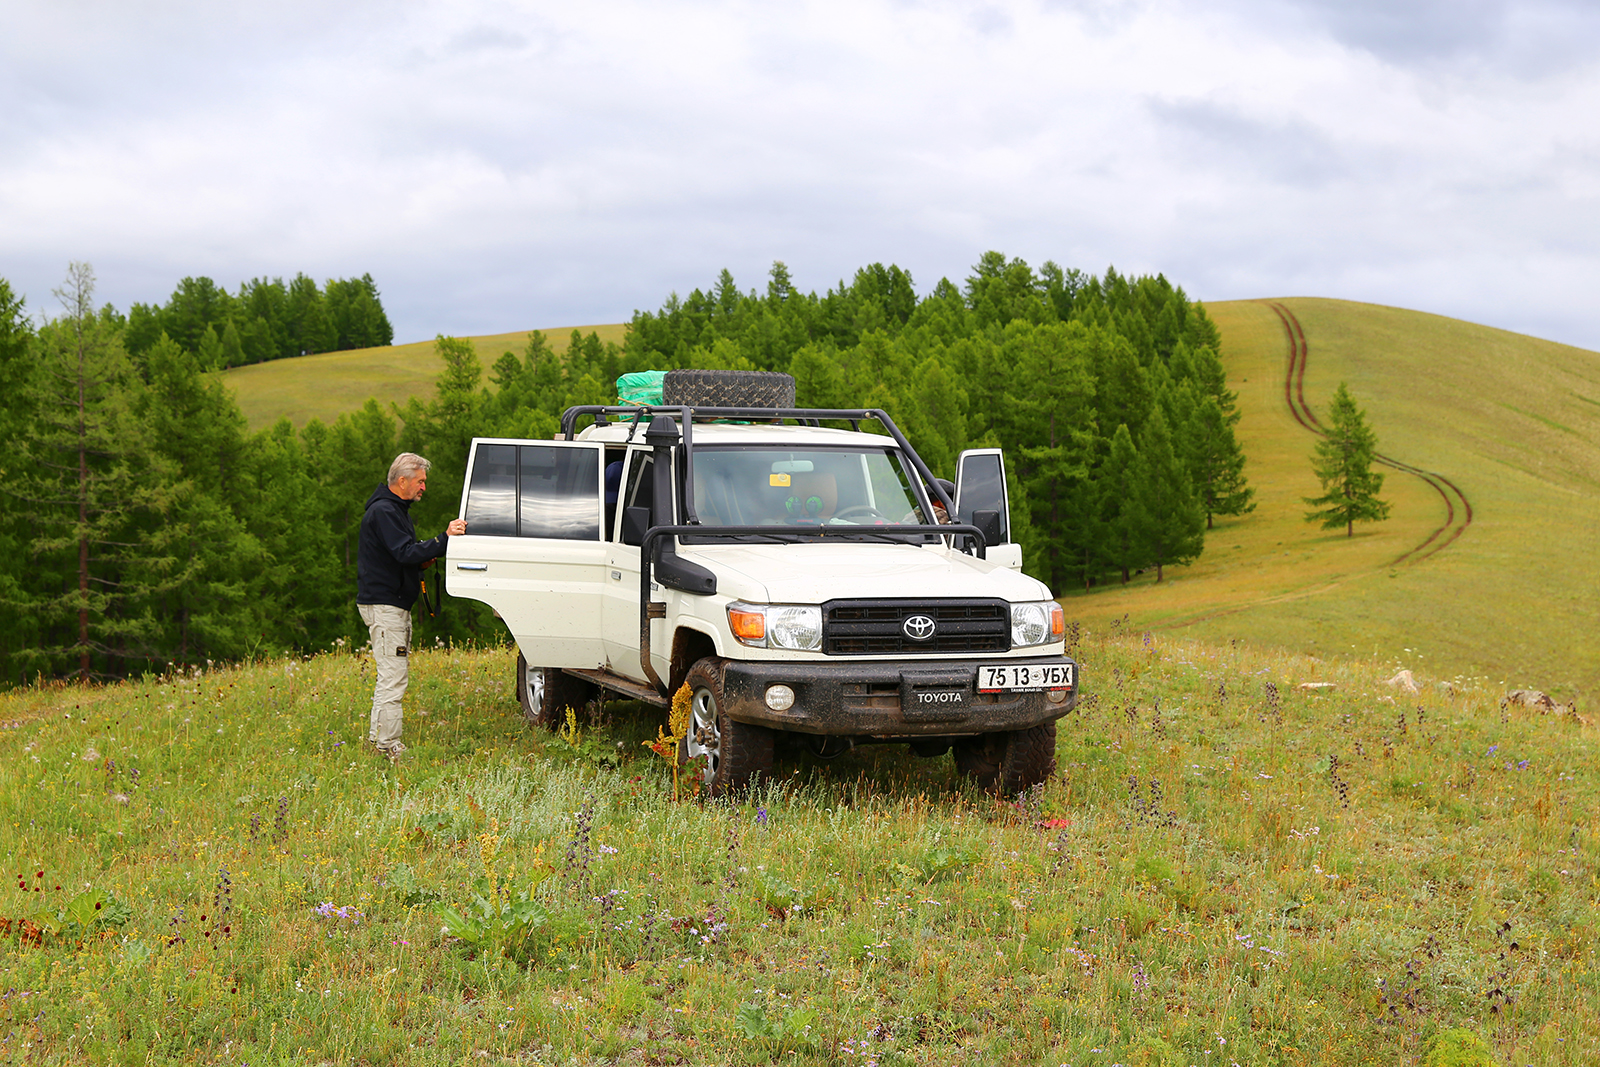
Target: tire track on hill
1458,509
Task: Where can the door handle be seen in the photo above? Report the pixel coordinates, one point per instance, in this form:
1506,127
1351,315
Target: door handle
472,566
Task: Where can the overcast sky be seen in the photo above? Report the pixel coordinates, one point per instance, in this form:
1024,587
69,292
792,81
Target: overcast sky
500,166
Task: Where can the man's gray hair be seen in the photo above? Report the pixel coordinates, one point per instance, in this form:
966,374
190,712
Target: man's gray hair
406,465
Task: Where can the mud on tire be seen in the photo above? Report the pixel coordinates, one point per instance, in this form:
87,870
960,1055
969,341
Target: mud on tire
728,388
545,693
1009,762
734,752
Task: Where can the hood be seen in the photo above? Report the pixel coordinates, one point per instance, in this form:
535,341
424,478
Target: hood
813,573
383,492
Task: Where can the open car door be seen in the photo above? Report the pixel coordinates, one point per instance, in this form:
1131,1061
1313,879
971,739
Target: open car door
981,488
533,550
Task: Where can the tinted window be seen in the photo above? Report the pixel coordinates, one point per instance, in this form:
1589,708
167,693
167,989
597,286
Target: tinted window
559,492
535,491
982,487
492,497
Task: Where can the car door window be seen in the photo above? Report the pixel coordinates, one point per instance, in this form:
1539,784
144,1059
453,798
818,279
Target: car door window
492,495
558,493
546,491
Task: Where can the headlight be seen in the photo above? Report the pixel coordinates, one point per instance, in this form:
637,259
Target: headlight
799,628
1040,622
791,626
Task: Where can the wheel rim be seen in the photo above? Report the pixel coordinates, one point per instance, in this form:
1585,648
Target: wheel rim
533,684
705,734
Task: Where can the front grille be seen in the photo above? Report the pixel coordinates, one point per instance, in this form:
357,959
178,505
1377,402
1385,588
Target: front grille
877,627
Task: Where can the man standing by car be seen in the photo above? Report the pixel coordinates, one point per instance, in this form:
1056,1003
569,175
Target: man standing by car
389,563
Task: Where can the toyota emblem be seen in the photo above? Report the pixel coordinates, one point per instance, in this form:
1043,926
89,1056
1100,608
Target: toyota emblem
918,627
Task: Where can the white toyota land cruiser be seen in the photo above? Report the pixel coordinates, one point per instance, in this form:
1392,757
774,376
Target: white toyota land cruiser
788,572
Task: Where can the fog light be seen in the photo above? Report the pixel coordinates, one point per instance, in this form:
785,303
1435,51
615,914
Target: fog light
1056,696
780,697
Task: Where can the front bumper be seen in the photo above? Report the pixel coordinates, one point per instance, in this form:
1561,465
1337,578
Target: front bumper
920,698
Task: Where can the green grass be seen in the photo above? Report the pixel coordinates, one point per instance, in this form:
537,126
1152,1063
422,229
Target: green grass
1508,418
331,384
1203,883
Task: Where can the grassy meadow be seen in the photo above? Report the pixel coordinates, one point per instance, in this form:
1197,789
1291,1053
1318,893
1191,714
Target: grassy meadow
1511,420
1228,869
331,384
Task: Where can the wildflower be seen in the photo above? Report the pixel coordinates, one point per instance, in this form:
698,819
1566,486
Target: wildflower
327,910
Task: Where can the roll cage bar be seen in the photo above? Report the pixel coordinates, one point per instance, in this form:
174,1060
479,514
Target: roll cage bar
687,415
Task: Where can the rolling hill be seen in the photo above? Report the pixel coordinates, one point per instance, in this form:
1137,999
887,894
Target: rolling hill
1485,569
330,384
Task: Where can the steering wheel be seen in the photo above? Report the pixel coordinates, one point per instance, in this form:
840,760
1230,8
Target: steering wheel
861,509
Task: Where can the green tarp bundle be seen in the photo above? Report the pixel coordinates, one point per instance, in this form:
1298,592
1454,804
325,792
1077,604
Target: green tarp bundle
641,387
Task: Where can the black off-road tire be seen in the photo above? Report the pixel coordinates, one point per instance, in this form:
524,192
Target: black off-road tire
1009,763
728,388
545,693
734,753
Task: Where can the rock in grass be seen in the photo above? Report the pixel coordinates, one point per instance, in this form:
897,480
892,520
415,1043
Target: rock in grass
1404,681
1545,704
1317,687
1531,698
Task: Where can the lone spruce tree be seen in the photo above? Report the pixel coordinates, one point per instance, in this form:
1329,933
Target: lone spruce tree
1343,463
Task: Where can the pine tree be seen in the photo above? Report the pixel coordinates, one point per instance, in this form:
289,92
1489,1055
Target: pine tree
208,571
1171,522
1343,463
1040,397
209,354
87,485
232,347
1121,520
17,629
544,366
196,304
297,599
941,409
309,329
817,379
1217,463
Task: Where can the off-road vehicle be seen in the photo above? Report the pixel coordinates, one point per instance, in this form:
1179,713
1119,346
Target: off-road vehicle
785,564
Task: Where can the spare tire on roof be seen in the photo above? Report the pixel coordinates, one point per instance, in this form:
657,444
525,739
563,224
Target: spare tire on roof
728,388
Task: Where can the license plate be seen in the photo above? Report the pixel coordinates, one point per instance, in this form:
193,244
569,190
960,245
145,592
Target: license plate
1023,677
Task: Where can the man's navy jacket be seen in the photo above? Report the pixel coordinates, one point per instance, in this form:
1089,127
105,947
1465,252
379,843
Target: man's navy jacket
389,557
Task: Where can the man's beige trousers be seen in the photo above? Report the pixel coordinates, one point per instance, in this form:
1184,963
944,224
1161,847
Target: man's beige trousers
391,642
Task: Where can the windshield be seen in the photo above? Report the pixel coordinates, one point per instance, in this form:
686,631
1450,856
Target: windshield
798,486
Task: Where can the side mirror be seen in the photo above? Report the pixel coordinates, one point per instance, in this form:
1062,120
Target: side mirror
988,524
635,522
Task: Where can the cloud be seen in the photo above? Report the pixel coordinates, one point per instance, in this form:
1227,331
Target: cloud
1530,38
1291,152
499,165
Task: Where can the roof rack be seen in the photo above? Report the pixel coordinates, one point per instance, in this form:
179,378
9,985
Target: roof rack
603,414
